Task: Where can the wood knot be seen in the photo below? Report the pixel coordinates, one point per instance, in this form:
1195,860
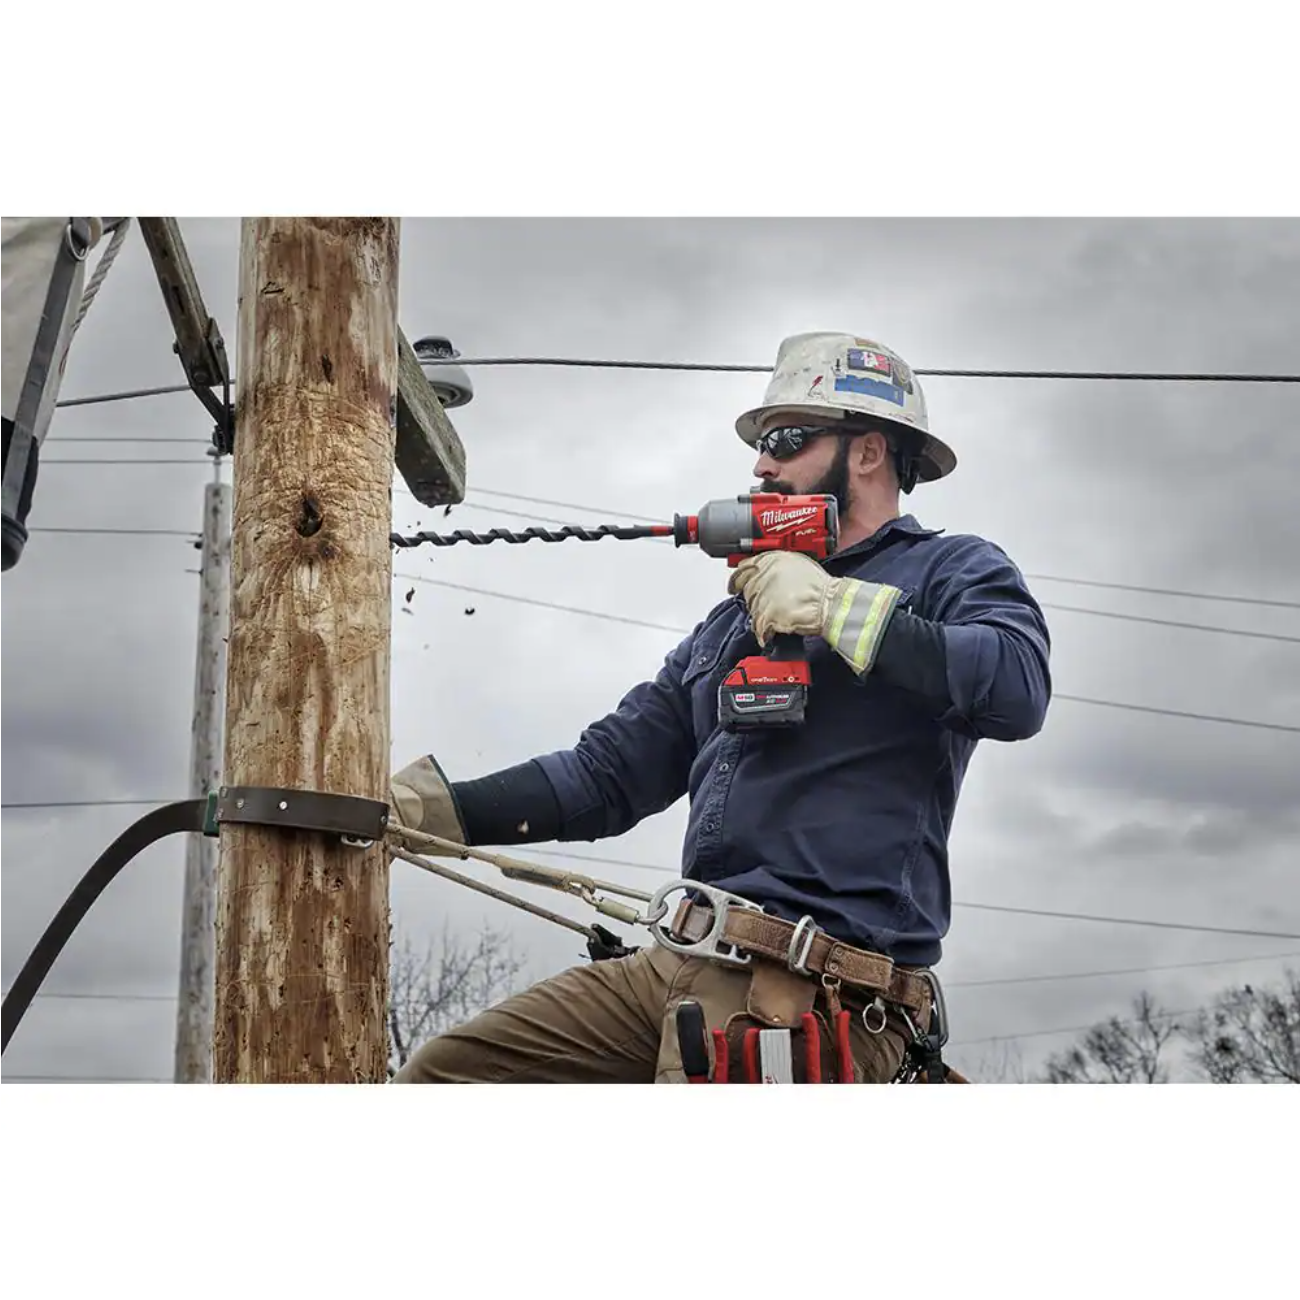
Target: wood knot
309,521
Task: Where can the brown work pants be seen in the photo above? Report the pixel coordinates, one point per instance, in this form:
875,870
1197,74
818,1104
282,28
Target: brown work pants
614,1022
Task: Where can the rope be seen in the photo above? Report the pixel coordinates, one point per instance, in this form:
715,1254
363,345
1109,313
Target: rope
401,840
499,894
114,244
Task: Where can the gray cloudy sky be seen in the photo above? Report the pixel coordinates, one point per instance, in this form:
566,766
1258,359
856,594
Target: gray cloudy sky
1187,486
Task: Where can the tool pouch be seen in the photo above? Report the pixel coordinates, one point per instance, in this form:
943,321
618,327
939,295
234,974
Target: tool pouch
778,997
743,1052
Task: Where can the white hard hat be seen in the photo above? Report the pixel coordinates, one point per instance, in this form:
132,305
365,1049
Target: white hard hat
836,376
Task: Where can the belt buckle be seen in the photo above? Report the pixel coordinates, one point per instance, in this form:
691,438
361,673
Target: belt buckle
802,940
711,945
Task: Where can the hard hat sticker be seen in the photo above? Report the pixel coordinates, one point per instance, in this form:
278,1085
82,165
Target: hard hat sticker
870,387
863,359
902,373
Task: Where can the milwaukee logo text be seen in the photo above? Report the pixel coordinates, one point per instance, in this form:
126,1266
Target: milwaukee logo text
780,520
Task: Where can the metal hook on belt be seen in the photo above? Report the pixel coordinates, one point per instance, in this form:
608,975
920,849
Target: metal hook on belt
938,1007
878,1007
712,944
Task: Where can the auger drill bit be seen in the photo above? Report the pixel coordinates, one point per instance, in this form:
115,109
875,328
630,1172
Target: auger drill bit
534,534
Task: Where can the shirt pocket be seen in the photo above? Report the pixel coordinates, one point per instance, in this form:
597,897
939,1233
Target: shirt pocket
702,675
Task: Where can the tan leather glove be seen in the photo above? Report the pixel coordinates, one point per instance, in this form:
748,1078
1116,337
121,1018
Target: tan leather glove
785,591
421,800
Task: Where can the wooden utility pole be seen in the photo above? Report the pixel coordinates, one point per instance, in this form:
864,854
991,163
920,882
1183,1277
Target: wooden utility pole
302,919
194,1010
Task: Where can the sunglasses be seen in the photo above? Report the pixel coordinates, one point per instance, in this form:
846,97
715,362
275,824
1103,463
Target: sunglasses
790,440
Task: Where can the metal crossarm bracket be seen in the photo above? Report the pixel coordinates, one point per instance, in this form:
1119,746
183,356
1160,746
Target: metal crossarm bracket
199,344
359,822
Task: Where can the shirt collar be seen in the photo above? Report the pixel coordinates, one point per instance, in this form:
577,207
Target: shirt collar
903,524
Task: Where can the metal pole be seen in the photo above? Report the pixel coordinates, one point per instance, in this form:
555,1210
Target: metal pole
194,1013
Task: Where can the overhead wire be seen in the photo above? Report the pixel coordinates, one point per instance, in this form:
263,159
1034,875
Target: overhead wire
1127,970
657,867
682,631
1034,577
59,996
133,460
1069,1029
1121,616
983,907
77,996
623,514
120,532
1166,591
1169,622
81,1078
56,439
1145,376
81,803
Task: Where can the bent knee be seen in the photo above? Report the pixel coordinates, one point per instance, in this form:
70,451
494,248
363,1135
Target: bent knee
444,1060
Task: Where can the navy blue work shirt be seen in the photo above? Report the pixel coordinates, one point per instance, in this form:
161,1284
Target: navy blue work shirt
845,819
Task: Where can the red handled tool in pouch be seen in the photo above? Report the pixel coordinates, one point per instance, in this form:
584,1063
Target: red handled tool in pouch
766,1055
692,1038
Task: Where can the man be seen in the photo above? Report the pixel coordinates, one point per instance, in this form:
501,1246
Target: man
919,644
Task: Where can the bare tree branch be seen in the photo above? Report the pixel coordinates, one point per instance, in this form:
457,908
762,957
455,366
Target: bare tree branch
1249,1035
444,985
1002,1063
1119,1051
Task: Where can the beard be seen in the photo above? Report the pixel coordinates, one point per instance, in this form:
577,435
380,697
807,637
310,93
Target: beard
834,482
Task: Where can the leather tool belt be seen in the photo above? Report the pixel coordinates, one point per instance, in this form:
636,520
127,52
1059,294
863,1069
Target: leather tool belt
806,950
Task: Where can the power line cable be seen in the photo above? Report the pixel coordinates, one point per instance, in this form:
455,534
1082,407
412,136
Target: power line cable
1129,970
121,532
58,995
1070,1029
116,438
1035,577
648,866
623,514
85,803
1145,376
1178,713
135,460
664,627
469,505
1127,920
543,604
1168,622
80,1078
1074,1028
983,907
105,997
547,501
1165,591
